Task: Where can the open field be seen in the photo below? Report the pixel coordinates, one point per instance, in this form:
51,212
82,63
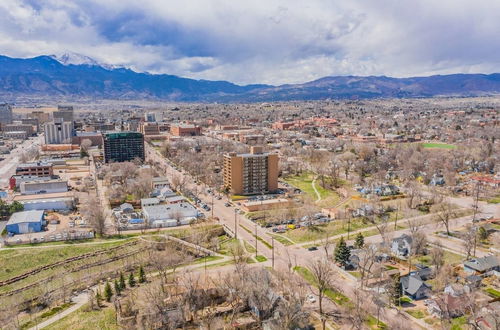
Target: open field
438,145
305,183
83,320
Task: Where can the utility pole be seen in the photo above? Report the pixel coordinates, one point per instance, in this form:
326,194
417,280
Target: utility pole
212,206
272,241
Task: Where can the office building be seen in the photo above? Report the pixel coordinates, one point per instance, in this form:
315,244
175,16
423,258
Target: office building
58,132
249,174
18,127
64,112
150,117
123,146
149,129
185,130
5,114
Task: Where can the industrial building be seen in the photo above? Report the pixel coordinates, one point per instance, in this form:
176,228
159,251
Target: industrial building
123,146
25,222
252,173
49,204
58,132
36,169
18,127
43,187
170,215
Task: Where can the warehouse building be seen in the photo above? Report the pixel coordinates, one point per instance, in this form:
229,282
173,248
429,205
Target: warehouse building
170,215
43,187
25,222
38,169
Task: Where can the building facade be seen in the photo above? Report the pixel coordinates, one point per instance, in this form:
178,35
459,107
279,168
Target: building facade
5,113
58,132
250,174
123,146
185,130
64,112
36,169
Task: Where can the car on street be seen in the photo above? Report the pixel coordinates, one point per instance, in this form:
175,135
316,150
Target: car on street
312,248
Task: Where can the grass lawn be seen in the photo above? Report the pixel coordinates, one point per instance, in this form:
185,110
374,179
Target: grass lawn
19,261
416,313
228,246
207,259
304,183
219,264
405,299
459,323
44,316
449,258
334,295
492,292
281,239
356,274
249,247
372,323
260,258
82,320
439,145
494,200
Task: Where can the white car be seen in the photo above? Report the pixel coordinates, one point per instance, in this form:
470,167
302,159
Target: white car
311,298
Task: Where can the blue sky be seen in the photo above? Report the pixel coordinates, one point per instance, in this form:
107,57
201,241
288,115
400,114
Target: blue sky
261,41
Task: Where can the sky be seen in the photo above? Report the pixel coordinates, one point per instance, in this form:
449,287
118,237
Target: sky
261,41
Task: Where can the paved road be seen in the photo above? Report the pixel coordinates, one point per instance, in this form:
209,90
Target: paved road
285,257
9,164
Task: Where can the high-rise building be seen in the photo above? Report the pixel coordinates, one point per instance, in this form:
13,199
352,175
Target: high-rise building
123,146
58,132
150,117
5,114
252,173
64,112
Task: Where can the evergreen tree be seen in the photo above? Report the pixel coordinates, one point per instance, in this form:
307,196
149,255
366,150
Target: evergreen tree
108,292
98,298
122,282
117,288
360,241
396,291
142,275
342,252
131,280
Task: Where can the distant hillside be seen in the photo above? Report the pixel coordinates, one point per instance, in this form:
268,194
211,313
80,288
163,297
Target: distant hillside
52,76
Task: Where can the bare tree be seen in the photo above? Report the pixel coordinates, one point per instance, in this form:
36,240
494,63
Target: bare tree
322,275
94,213
444,213
437,256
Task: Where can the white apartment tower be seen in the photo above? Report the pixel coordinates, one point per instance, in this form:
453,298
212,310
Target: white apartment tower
58,132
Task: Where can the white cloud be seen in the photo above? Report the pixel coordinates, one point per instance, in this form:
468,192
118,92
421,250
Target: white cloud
266,41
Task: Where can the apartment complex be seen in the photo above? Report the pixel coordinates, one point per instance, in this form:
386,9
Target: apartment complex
36,169
253,173
123,146
58,132
5,113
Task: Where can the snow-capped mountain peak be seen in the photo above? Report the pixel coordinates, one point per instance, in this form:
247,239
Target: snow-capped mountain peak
79,59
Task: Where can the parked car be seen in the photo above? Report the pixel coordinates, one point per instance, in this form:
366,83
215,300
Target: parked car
227,204
312,248
311,298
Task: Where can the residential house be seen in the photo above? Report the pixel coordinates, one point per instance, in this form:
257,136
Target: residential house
414,287
489,265
401,246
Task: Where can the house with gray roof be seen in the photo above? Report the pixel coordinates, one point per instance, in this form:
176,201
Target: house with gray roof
414,287
401,246
170,215
486,265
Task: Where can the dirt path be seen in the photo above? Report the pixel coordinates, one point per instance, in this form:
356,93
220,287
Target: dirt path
313,183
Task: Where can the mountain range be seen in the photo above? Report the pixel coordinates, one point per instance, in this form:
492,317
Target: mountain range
74,75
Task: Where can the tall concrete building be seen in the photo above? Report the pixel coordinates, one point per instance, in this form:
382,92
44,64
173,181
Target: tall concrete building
249,174
58,132
123,146
64,112
5,114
